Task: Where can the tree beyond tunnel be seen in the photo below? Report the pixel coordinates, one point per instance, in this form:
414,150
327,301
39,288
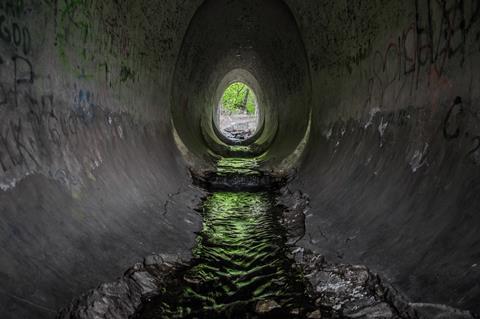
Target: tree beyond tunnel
237,112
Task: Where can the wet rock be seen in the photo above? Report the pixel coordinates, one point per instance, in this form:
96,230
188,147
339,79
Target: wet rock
347,289
113,300
295,312
145,281
381,310
121,298
266,306
159,259
152,260
295,206
433,311
352,291
317,314
192,280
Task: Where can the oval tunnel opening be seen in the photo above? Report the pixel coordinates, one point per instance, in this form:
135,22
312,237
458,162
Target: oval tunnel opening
237,113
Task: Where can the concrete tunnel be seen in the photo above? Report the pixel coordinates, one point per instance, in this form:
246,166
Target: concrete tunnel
369,108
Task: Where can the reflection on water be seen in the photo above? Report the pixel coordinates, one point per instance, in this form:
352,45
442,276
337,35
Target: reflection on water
239,260
237,166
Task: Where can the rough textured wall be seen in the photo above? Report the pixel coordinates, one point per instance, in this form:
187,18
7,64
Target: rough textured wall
260,38
90,180
394,160
89,177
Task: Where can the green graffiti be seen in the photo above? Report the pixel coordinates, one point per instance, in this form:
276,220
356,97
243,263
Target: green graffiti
73,33
126,74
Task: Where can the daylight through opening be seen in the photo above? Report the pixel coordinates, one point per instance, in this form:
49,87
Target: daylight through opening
237,112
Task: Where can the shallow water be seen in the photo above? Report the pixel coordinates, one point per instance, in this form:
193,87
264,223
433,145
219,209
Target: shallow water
240,259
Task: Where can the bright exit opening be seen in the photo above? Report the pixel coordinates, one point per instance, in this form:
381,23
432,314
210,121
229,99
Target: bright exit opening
237,112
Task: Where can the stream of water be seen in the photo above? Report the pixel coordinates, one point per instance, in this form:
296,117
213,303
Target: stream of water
240,267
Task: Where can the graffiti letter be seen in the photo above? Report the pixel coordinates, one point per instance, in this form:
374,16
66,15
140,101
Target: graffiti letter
446,134
23,71
5,34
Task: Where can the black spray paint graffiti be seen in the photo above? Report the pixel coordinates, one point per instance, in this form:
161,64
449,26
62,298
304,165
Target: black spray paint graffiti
21,78
442,30
454,127
454,113
476,141
16,148
25,134
400,117
42,126
24,140
12,31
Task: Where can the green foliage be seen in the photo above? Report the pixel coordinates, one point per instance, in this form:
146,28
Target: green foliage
238,97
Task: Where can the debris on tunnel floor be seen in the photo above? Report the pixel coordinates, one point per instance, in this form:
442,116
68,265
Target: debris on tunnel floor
239,173
246,265
121,298
353,291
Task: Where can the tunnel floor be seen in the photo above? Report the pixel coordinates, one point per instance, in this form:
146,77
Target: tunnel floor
240,267
246,264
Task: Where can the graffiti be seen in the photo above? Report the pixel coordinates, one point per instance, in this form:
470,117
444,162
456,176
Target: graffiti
461,121
475,140
21,144
65,177
22,77
73,31
11,31
28,122
84,46
391,69
442,30
119,40
16,148
13,7
126,74
42,114
84,105
39,129
455,112
403,117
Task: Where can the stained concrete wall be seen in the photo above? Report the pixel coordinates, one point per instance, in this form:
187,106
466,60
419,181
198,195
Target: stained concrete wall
393,165
257,38
89,178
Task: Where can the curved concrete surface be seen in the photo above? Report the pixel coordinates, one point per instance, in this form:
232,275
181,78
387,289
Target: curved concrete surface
245,77
96,97
393,166
225,36
90,180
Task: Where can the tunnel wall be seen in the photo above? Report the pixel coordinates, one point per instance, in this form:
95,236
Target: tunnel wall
260,38
393,163
90,180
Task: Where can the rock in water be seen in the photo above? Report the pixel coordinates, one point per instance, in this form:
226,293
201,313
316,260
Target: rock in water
317,314
266,306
